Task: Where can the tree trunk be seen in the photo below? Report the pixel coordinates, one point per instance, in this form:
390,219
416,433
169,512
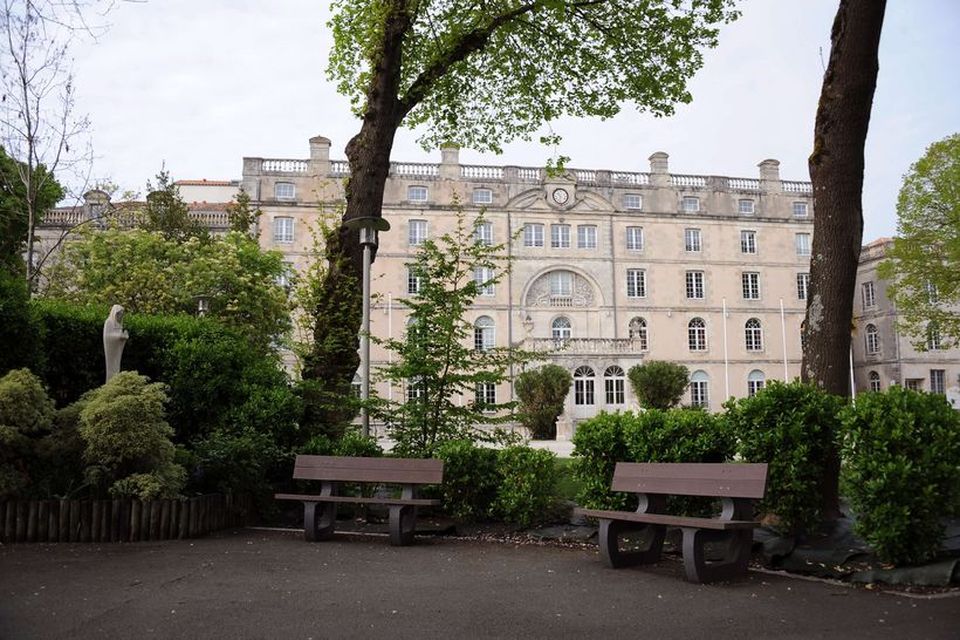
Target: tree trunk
836,170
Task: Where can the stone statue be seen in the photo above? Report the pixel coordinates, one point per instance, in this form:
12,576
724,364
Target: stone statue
114,337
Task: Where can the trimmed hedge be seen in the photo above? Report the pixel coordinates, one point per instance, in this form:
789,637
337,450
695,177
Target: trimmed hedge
469,479
528,485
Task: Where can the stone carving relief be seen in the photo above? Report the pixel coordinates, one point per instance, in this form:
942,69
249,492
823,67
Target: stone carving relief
540,294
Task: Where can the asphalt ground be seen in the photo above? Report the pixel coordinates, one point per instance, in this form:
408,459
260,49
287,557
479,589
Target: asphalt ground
273,584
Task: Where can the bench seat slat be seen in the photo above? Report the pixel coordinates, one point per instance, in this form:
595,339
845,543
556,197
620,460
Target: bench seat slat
669,520
738,480
386,470
416,502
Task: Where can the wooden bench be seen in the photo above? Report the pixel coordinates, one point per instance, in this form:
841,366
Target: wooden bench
320,510
738,485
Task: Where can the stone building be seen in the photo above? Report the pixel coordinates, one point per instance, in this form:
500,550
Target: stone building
617,266
882,356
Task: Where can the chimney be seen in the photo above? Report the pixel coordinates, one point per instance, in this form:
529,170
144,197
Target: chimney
660,169
450,161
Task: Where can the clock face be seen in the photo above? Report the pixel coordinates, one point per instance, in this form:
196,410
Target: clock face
560,196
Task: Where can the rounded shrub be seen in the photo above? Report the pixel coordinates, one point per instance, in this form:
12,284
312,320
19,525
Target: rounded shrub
528,485
470,479
792,427
658,384
542,393
26,414
901,452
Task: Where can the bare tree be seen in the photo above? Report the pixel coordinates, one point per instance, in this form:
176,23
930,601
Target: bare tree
836,169
39,125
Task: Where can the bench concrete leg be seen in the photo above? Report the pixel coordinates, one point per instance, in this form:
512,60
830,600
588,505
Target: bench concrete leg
319,520
736,558
615,557
403,522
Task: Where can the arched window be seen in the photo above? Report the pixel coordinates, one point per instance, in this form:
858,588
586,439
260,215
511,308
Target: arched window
583,386
872,337
753,335
613,384
697,335
484,338
561,329
874,381
637,330
755,381
699,389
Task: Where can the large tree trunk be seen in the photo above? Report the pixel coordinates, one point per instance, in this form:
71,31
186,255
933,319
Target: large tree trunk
836,169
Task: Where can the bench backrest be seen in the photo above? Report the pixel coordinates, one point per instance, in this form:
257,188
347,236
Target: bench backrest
692,479
386,470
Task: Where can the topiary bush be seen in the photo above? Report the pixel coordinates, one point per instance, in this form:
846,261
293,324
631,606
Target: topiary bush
901,451
792,427
598,444
542,393
658,384
128,447
528,485
26,414
470,479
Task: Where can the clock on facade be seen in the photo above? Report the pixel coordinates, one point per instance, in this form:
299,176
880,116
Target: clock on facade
560,196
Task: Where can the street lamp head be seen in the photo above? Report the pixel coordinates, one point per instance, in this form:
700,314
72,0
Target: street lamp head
368,226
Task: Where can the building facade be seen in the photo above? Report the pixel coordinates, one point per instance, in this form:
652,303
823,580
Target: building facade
615,266
883,356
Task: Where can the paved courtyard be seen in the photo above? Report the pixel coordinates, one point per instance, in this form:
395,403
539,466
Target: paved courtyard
272,584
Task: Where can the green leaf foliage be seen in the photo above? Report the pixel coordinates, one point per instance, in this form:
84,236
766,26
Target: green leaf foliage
791,427
925,258
528,485
542,393
598,445
901,451
26,414
19,332
658,384
14,216
485,74
128,447
167,214
470,479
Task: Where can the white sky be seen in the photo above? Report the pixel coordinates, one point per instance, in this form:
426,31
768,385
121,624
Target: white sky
198,84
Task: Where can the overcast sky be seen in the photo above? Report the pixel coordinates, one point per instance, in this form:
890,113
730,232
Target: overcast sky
199,84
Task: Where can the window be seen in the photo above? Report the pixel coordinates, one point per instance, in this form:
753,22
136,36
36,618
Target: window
283,229
748,242
697,335
691,204
799,209
561,329
637,330
933,295
483,276
613,385
561,284
417,232
356,387
634,238
933,337
633,202
695,285
560,236
483,234
751,285
485,395
416,193
753,335
699,389
286,272
868,295
415,390
636,283
872,338
746,207
482,196
284,191
691,240
938,380
755,382
583,386
803,285
533,234
586,236
803,244
483,335
913,384
414,281
874,381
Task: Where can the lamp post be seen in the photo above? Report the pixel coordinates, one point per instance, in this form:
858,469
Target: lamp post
369,227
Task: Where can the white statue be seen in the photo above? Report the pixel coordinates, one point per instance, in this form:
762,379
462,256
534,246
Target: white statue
114,337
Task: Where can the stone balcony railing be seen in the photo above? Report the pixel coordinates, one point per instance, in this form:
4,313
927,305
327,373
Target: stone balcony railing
69,218
585,346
